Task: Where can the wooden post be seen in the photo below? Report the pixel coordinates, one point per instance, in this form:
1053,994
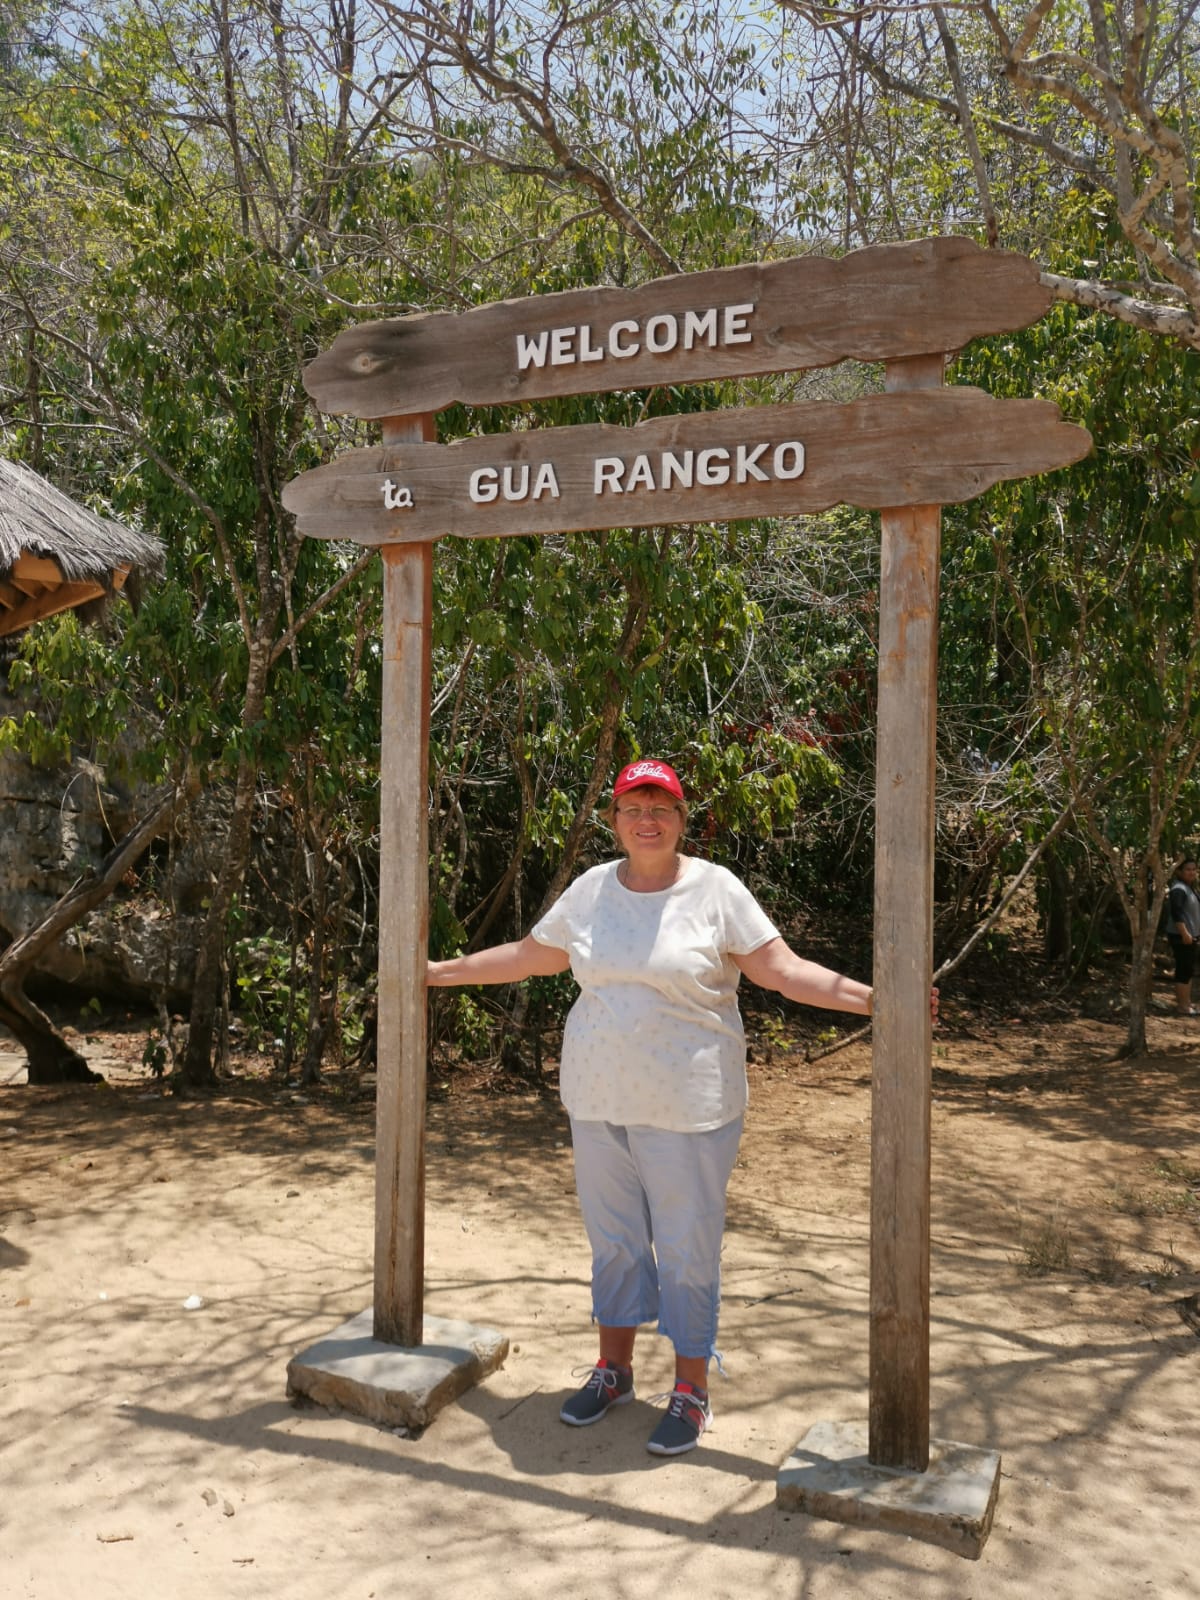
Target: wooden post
403,928
898,1434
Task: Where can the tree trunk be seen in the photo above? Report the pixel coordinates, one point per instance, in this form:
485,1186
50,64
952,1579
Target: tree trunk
1056,945
319,1006
199,1071
1141,975
50,1058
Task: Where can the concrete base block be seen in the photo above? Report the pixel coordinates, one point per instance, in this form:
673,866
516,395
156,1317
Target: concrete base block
353,1371
952,1504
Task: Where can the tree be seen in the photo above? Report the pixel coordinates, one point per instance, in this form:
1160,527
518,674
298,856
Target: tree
199,198
1041,99
198,216
623,114
185,169
1099,571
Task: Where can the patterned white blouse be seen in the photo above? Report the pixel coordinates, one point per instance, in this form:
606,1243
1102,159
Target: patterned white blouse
655,1038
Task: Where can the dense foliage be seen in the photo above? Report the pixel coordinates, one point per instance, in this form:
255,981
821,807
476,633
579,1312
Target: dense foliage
195,199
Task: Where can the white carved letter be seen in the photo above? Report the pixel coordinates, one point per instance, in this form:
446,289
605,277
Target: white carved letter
700,325
662,334
609,471
562,340
483,485
672,468
789,459
622,350
587,350
396,499
746,463
546,481
736,331
516,482
640,475
712,467
531,352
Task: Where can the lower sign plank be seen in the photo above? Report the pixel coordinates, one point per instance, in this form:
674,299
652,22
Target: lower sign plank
918,447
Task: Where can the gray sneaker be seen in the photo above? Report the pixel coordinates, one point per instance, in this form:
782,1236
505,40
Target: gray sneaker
608,1386
688,1414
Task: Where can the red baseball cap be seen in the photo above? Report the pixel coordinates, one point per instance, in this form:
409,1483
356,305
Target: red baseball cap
651,774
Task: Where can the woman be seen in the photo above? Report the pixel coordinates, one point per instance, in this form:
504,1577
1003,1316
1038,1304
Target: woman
653,1076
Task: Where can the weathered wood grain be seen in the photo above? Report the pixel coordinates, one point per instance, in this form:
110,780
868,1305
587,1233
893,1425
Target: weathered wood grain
403,934
875,304
915,448
898,1427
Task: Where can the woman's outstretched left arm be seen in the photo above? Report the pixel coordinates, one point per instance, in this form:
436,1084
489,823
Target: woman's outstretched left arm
777,966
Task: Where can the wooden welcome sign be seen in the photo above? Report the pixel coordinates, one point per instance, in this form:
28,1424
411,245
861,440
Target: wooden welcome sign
878,304
904,452
921,447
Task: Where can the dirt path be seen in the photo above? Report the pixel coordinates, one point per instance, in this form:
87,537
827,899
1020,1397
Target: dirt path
148,1451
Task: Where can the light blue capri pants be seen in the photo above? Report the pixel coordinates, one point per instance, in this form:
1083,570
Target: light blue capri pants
653,1204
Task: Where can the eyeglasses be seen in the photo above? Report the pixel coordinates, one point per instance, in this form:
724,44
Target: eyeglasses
655,813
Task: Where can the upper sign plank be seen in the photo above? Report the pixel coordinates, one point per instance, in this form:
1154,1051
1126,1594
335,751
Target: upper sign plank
915,447
878,304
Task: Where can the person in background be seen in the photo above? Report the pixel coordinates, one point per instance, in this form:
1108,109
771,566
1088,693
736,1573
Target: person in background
1183,932
653,1077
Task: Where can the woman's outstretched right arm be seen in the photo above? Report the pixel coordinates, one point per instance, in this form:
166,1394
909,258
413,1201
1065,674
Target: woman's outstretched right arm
503,963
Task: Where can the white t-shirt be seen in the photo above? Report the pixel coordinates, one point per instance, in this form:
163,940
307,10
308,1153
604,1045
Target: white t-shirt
655,1038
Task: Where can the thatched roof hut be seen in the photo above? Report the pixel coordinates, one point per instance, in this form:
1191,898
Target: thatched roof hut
55,555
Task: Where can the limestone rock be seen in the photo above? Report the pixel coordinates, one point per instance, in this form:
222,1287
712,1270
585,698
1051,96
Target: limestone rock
54,826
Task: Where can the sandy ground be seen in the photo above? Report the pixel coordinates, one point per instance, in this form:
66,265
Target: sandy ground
147,1450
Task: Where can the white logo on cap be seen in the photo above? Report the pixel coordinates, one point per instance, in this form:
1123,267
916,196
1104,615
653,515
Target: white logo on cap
646,769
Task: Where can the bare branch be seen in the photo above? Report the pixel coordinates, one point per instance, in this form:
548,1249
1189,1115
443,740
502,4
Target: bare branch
533,102
1151,318
968,126
1104,125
